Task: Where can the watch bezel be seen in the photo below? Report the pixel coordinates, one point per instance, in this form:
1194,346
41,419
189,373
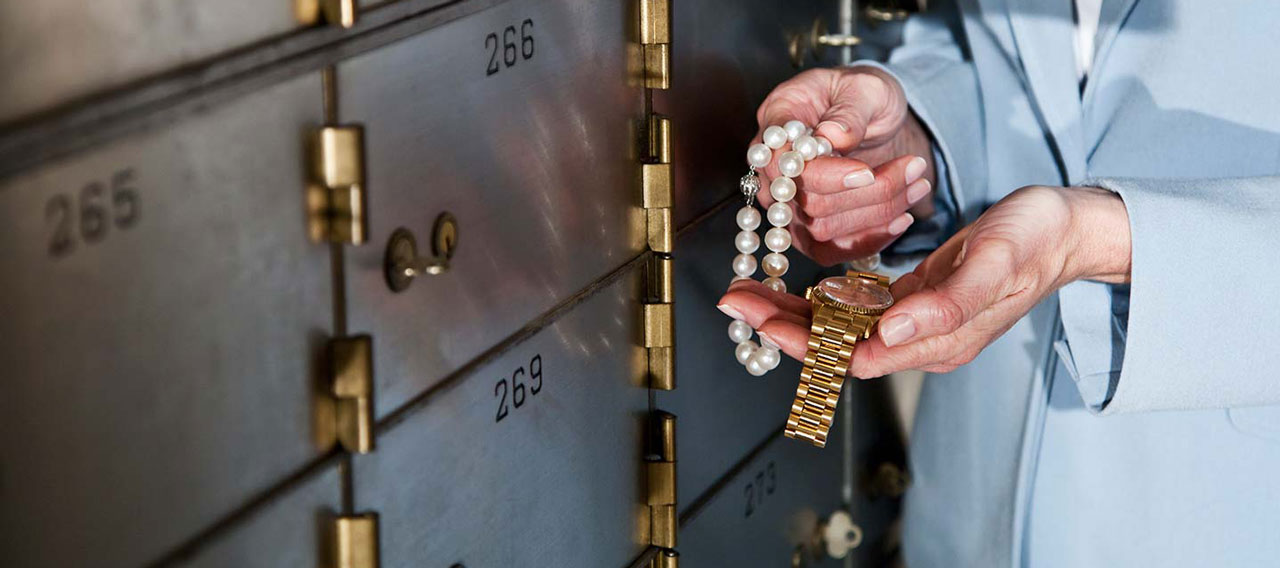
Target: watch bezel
816,293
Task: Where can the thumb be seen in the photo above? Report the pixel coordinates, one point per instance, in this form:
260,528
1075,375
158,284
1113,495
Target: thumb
861,102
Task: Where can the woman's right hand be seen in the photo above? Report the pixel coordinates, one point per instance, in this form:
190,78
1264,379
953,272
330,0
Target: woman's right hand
856,203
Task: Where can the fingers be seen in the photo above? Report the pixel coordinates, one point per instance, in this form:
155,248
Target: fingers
896,188
848,247
790,336
779,318
981,279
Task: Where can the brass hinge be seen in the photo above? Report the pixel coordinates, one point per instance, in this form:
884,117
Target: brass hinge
356,541
656,183
655,42
660,322
351,359
665,558
334,12
336,198
660,474
659,311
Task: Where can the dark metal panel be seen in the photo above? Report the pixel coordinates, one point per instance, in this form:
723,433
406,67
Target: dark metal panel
727,55
54,51
162,316
293,530
474,479
768,508
535,161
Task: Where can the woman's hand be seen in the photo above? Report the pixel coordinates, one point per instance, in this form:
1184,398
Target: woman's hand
974,287
852,207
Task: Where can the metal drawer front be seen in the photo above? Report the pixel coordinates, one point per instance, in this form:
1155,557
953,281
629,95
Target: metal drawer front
723,410
294,530
162,316
770,507
53,51
727,56
473,479
535,161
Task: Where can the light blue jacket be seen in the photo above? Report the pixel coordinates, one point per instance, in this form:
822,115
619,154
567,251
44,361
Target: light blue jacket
1114,426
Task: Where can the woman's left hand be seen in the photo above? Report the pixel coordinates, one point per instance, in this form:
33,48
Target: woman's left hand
974,287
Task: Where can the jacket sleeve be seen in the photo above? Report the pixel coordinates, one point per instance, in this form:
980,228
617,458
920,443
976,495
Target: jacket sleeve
1199,323
941,86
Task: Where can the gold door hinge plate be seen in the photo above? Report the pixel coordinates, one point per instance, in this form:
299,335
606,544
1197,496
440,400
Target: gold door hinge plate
336,185
659,316
660,473
657,183
356,541
334,12
352,362
655,42
665,559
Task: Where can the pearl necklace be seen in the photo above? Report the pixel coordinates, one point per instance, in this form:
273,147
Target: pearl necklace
760,359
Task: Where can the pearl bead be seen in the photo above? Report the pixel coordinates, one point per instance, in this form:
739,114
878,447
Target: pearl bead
807,146
768,357
775,137
755,367
776,284
782,189
824,146
759,155
748,218
739,331
779,214
791,164
745,350
795,129
744,265
737,278
747,242
777,239
775,264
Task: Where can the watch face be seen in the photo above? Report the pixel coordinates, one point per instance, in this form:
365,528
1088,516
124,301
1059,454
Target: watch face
856,292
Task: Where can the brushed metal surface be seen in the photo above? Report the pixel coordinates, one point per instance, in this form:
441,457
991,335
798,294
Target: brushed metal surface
556,482
727,55
723,410
293,530
157,378
772,505
54,51
534,161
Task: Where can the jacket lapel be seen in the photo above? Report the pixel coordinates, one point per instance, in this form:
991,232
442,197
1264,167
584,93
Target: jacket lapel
1114,13
1042,35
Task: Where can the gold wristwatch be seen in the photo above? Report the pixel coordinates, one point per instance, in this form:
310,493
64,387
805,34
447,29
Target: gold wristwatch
845,309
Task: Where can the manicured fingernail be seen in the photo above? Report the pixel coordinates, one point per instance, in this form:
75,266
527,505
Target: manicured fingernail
860,178
766,340
729,311
915,169
917,191
837,125
899,225
897,329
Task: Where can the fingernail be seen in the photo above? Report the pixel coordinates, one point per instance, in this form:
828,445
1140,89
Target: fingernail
766,340
897,329
860,178
729,311
899,225
917,190
915,169
837,125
